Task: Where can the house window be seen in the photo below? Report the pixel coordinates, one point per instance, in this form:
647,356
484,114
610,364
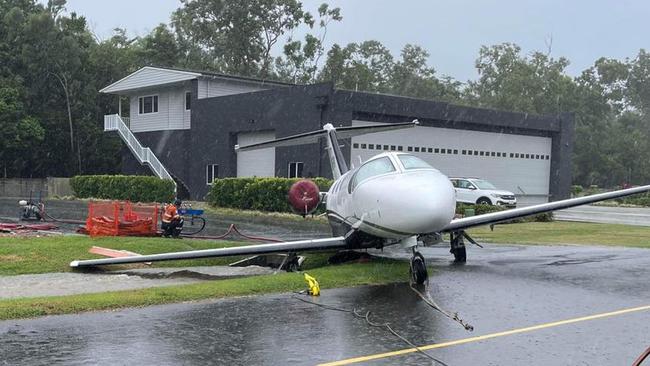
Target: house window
400,148
188,101
148,104
295,169
355,145
211,173
363,146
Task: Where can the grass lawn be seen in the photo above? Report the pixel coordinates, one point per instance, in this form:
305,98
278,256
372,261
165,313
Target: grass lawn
348,275
53,254
565,232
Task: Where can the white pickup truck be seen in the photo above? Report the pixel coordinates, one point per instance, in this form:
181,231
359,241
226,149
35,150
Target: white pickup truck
481,192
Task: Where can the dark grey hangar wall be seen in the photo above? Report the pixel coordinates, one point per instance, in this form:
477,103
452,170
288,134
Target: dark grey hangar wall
527,154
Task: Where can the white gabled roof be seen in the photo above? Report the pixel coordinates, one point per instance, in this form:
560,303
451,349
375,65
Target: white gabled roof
149,76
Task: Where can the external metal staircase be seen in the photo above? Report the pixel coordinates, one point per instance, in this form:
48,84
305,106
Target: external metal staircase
114,122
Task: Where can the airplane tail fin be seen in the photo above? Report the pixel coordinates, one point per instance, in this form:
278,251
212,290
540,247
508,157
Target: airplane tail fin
337,161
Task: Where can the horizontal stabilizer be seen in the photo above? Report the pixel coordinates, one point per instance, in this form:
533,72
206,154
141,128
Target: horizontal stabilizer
312,137
291,246
495,217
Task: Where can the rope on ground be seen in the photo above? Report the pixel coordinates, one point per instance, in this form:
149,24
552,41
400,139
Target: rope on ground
234,230
366,317
429,301
65,221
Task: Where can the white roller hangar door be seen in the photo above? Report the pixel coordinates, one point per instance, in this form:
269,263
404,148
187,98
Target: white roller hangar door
256,163
517,163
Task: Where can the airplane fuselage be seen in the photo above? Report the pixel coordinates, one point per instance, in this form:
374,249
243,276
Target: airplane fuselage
391,196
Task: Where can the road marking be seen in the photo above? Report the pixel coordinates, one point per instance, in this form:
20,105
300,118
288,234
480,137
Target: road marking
484,337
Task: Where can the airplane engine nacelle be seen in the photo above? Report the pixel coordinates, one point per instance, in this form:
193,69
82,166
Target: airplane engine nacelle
304,197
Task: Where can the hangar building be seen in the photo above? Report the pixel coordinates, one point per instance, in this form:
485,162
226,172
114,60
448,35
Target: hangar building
185,124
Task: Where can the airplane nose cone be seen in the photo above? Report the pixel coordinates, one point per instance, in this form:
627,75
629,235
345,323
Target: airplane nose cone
428,201
413,203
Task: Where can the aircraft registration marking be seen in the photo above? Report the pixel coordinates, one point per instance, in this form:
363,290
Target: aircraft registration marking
486,336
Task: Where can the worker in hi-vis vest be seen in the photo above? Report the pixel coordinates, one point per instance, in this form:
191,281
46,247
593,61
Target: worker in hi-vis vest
172,222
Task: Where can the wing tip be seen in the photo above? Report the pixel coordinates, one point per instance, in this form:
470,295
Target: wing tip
74,264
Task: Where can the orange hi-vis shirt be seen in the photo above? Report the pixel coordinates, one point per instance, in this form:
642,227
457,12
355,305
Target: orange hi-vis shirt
170,213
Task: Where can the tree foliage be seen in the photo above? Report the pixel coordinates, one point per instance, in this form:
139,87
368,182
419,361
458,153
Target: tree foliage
52,66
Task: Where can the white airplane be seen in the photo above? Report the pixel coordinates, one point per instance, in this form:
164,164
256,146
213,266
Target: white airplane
392,198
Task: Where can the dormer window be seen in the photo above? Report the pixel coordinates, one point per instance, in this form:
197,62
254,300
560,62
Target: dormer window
148,104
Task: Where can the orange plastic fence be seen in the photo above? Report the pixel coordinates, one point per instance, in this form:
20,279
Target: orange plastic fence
121,219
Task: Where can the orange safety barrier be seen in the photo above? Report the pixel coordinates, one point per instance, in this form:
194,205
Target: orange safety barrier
121,218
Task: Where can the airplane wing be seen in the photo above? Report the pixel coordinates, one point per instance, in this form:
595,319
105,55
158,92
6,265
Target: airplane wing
495,217
291,246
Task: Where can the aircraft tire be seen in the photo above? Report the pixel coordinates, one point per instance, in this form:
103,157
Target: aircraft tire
419,272
460,255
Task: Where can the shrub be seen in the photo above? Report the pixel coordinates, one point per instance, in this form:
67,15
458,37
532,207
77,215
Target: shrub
483,209
576,189
642,199
135,188
264,194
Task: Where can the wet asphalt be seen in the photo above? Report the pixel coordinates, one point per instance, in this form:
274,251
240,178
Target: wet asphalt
501,288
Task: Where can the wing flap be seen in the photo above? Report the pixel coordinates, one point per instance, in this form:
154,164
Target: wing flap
291,246
494,217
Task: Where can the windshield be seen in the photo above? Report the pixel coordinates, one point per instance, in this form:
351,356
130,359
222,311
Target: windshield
371,169
483,184
412,162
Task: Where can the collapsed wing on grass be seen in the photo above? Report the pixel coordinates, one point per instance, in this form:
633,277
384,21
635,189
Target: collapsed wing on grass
284,247
496,217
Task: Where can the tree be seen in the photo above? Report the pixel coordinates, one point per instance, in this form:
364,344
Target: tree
509,81
359,66
158,48
638,83
300,61
412,77
239,34
20,134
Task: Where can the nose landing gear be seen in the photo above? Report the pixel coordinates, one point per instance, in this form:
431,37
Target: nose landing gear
418,269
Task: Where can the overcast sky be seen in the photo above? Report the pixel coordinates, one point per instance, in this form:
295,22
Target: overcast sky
451,31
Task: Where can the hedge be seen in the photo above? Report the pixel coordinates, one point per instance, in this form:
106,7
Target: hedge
483,209
263,194
135,188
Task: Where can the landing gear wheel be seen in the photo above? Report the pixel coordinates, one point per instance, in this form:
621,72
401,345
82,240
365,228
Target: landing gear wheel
418,270
460,254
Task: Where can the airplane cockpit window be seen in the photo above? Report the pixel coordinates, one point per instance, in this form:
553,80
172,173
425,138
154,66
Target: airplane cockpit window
413,162
370,169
